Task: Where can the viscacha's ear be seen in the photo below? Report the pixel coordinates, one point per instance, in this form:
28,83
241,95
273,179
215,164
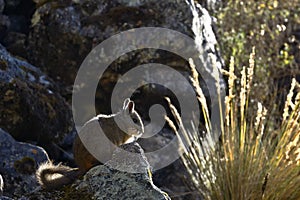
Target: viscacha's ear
128,106
125,104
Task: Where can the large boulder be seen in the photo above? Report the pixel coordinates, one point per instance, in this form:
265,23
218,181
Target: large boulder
18,165
64,33
15,22
108,182
31,109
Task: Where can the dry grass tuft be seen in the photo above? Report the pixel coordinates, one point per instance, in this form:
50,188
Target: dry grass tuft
251,161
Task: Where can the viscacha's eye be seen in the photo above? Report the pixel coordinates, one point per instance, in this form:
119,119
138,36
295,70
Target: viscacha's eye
135,120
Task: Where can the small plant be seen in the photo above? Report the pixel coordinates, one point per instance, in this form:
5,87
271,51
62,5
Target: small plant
253,160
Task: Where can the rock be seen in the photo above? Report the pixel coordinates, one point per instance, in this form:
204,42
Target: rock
17,15
106,182
18,165
172,178
6,198
20,8
16,42
4,26
64,33
2,5
13,4
31,108
1,185
60,23
60,28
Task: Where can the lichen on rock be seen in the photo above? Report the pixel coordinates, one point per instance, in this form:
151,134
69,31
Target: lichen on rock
31,108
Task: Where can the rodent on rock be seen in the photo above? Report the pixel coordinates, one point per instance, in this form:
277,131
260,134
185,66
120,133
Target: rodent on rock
52,176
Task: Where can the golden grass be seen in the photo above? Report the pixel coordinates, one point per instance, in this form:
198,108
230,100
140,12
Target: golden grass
251,161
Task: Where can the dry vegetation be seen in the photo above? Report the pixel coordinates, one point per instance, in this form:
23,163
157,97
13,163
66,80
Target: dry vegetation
250,162
267,25
259,153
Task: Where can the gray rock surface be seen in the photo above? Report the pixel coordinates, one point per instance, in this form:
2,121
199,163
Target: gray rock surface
15,20
173,178
31,109
106,182
64,33
6,198
4,25
18,164
2,4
